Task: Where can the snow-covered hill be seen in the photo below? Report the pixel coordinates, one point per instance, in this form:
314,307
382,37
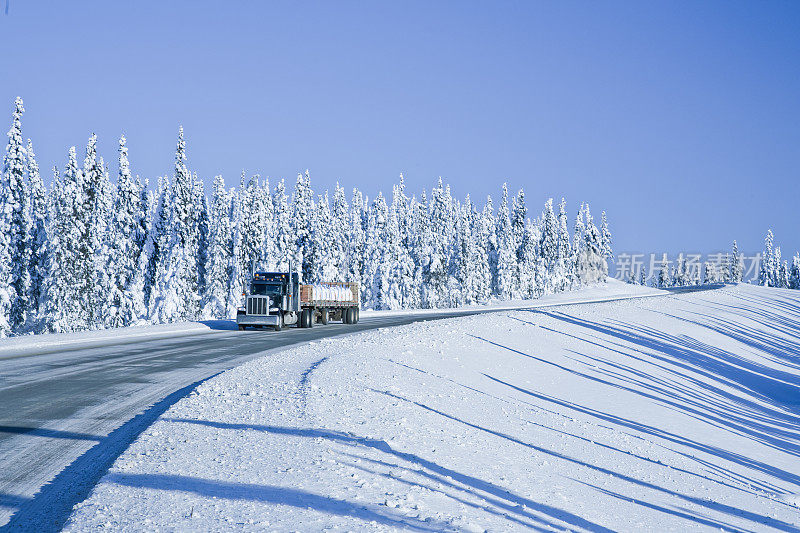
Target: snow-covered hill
675,413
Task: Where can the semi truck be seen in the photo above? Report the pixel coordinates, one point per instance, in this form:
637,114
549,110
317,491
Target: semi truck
278,299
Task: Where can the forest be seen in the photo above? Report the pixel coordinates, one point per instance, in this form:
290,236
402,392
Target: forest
85,252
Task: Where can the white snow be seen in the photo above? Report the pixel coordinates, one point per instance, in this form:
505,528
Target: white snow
677,413
43,343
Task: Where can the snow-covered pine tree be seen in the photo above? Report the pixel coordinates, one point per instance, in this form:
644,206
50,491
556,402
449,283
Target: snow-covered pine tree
402,210
492,254
681,275
126,245
736,266
781,275
284,238
337,248
202,208
374,252
709,272
52,307
64,288
156,248
462,287
564,276
766,274
724,269
664,278
794,275
15,200
631,277
435,274
506,250
236,285
322,235
605,238
391,268
38,265
356,241
784,275
596,266
549,248
257,212
519,214
95,282
302,210
178,297
421,246
535,278
220,248
580,261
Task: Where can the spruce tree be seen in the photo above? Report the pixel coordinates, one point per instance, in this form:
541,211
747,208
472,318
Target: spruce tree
220,251
549,248
579,257
506,250
664,277
38,265
15,202
794,274
338,234
374,247
737,268
284,238
564,277
178,297
303,206
605,238
64,288
158,239
95,213
236,285
766,274
126,246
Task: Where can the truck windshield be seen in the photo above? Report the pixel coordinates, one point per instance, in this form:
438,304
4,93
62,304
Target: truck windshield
266,289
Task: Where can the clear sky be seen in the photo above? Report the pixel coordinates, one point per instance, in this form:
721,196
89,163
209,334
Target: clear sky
681,119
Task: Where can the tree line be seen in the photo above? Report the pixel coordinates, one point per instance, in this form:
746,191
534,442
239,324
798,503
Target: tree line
86,253
769,269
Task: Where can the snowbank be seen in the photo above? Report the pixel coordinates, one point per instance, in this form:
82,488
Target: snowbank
46,343
676,413
612,289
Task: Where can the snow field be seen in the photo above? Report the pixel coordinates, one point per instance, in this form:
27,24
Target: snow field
666,414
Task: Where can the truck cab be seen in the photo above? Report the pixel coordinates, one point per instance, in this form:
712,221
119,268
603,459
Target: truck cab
272,299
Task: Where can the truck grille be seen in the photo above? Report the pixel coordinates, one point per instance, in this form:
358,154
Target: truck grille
257,305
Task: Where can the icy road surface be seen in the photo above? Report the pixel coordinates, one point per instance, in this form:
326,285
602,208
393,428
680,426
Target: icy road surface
665,414
70,404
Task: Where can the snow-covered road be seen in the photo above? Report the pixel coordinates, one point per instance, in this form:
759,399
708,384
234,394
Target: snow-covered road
72,403
666,414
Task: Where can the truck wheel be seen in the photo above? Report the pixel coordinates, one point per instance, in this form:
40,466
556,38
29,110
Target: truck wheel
351,316
306,319
323,316
346,315
279,326
311,318
358,314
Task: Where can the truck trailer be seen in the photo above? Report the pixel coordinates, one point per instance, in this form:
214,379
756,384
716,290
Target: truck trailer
277,300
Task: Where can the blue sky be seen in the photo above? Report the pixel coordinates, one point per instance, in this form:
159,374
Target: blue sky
681,119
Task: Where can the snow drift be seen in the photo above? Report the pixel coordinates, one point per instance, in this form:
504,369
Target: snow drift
675,413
